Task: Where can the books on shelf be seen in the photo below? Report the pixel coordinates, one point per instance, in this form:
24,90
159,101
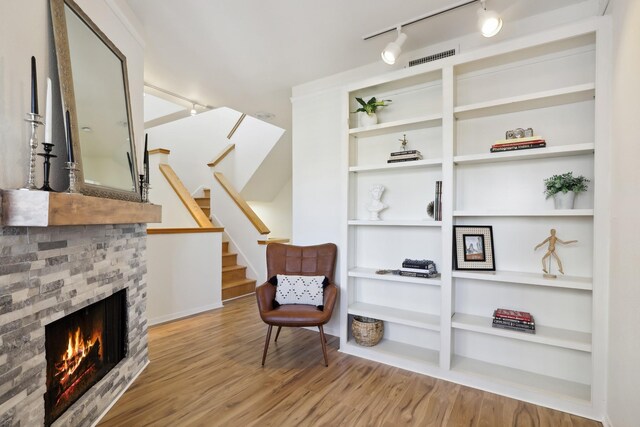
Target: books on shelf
437,203
404,156
518,144
404,153
524,146
513,320
418,268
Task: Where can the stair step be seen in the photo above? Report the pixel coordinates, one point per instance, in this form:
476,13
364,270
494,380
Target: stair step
229,259
206,211
238,288
203,202
207,192
225,246
233,273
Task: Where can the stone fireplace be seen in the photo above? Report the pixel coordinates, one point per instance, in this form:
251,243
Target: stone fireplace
47,273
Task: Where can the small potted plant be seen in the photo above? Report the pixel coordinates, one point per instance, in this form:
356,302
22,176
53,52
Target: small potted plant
564,188
369,108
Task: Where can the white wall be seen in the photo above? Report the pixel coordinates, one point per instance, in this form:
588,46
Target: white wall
25,30
624,347
276,214
181,282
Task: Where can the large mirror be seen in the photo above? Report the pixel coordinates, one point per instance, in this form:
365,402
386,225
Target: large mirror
95,91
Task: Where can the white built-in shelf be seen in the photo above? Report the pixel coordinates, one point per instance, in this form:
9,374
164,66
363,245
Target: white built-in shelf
395,353
404,124
565,338
548,98
535,279
399,165
370,273
534,153
396,315
522,379
495,213
396,223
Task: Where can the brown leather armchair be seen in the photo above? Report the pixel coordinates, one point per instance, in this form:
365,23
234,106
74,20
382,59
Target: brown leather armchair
319,260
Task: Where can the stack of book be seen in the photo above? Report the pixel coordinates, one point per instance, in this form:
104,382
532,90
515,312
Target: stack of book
404,156
518,144
437,203
418,268
514,320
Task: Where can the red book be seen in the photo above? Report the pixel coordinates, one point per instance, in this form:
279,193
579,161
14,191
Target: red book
516,144
513,314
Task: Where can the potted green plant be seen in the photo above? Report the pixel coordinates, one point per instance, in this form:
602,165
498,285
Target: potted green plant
369,109
563,188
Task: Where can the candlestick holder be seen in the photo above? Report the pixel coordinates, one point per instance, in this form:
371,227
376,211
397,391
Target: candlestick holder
145,192
72,167
35,120
142,181
48,147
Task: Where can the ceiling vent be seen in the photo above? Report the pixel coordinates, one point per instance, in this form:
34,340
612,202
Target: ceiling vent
434,57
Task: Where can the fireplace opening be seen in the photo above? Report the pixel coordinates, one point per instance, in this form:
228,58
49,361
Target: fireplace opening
80,349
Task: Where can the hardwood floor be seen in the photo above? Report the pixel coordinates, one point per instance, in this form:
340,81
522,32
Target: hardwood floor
205,371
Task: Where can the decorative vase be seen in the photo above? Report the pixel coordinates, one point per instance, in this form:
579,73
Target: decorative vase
564,200
368,119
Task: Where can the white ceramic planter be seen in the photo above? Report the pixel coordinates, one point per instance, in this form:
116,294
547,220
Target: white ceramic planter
368,119
564,200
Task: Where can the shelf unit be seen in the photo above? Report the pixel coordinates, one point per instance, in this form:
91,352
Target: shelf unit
452,110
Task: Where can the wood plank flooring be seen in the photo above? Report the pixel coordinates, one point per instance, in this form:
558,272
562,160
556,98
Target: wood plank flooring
205,371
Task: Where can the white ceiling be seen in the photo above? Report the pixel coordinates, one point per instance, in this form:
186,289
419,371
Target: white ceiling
247,54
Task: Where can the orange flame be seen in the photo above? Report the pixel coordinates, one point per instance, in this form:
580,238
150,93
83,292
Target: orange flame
77,350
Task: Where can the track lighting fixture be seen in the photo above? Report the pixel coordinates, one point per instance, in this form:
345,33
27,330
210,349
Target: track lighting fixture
193,109
489,21
394,49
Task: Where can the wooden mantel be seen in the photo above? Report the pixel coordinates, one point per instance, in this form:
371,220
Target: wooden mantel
22,208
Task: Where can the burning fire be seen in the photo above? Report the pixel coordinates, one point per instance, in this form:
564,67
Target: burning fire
77,350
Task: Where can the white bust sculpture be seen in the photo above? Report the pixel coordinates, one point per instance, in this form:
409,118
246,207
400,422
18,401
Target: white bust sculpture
375,206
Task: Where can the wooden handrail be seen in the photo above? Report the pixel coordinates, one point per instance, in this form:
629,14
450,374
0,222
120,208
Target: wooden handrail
221,155
182,192
184,230
159,151
236,126
241,203
272,240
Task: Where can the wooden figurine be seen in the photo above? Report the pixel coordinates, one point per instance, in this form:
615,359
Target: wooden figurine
551,252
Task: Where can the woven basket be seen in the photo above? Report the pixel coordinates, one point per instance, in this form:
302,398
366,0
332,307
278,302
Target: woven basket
367,331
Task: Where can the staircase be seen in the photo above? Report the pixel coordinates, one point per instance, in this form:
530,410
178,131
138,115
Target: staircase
205,202
234,278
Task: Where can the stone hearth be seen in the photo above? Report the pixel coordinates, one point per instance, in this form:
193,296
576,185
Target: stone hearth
46,273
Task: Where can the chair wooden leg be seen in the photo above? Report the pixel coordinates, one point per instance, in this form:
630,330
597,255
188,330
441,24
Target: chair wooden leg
323,341
266,345
277,334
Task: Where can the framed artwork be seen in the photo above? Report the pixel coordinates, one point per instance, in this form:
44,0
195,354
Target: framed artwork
473,248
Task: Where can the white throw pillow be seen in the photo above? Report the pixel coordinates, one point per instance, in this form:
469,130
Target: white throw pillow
300,290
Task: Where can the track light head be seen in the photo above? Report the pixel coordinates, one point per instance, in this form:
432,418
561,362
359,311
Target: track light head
193,109
489,21
393,50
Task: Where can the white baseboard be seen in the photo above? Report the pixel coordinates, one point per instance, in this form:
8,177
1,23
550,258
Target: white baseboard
108,408
606,422
184,313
